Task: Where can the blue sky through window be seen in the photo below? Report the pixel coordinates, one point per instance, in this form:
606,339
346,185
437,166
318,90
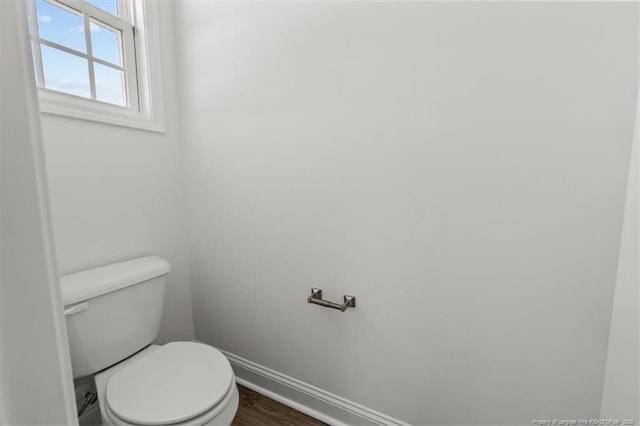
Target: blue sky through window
109,85
60,26
69,73
110,6
65,72
105,43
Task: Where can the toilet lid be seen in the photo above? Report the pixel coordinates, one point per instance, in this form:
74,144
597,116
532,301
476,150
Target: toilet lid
175,383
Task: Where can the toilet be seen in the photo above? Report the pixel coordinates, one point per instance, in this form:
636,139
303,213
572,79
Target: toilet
113,315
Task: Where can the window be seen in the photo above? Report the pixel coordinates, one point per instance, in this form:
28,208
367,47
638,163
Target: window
91,61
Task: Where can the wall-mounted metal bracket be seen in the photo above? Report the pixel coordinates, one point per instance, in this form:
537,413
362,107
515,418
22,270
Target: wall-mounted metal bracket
316,298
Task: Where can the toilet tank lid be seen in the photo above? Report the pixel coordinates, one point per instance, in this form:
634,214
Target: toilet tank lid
84,285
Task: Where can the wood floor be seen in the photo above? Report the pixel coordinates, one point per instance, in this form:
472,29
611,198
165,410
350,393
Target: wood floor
255,409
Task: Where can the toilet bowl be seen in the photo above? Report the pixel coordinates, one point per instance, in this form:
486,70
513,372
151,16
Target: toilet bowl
113,315
180,383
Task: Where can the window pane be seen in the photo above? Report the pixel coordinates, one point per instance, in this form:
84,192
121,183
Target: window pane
60,26
65,72
109,84
105,43
110,6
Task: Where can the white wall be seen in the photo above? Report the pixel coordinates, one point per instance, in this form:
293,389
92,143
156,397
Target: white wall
620,392
459,167
35,370
117,193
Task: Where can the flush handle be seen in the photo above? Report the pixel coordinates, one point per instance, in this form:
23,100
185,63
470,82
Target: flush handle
76,309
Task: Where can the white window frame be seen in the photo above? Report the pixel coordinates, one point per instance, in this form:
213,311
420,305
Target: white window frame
140,36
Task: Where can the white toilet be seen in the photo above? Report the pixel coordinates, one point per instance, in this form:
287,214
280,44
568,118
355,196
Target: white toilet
113,314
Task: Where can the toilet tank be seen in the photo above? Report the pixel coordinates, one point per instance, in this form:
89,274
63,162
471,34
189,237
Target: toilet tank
112,311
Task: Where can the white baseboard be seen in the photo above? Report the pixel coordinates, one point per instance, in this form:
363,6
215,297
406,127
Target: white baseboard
306,398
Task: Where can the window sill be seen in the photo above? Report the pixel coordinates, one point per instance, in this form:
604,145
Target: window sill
56,103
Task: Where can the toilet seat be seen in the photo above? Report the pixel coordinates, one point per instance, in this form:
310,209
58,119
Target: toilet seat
221,415
180,383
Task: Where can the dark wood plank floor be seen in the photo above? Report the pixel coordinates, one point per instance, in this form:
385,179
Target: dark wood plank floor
255,409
